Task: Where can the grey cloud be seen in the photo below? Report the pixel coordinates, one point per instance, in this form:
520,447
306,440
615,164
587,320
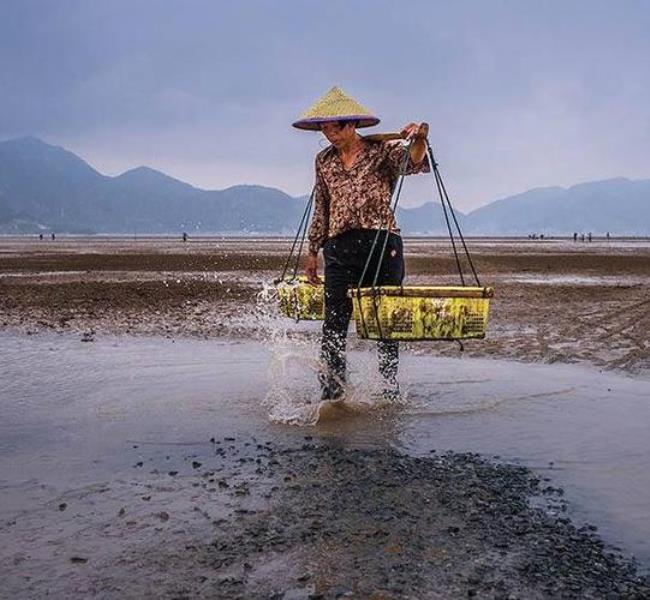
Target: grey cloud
518,93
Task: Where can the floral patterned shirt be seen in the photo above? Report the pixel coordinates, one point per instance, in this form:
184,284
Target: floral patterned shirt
358,197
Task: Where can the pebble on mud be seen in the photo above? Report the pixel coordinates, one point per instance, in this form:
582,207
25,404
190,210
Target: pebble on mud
454,523
88,336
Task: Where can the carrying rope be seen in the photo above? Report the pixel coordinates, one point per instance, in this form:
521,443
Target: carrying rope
448,212
434,168
442,191
300,235
393,205
447,209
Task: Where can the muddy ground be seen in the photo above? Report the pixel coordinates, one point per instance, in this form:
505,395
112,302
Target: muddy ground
555,300
249,519
246,518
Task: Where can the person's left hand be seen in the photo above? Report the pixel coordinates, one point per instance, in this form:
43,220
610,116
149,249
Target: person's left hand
415,131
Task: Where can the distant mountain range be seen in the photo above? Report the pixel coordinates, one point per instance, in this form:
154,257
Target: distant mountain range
47,188
44,187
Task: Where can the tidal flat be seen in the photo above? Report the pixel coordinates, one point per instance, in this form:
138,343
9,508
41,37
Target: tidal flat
160,435
556,301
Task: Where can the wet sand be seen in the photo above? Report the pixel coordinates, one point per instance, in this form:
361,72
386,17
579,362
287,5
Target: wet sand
148,467
557,301
257,519
286,512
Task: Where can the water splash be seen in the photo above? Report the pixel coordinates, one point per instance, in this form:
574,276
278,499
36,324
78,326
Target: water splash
293,395
293,365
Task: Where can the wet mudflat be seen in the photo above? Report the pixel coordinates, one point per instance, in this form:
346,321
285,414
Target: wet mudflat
158,465
557,301
321,521
150,467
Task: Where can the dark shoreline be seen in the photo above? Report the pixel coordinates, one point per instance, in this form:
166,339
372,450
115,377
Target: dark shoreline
319,519
452,525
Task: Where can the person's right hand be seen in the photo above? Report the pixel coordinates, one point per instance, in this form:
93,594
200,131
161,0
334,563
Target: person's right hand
311,269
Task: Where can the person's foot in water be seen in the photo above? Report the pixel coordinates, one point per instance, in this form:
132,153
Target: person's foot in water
391,391
333,391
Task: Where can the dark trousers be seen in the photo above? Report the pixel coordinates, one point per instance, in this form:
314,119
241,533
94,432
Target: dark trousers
345,258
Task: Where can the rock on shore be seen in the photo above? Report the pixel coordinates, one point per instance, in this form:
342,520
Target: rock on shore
318,519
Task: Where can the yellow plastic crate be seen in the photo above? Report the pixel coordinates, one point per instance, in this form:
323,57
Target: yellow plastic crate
301,300
421,313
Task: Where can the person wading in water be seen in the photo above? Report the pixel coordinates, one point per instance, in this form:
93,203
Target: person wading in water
355,178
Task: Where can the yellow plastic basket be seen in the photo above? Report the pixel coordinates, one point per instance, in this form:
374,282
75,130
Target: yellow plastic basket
301,300
421,313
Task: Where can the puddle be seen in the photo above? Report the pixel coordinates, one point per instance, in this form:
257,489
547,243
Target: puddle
71,411
10,274
586,280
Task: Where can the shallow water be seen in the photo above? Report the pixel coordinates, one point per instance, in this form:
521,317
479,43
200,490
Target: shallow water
586,280
71,412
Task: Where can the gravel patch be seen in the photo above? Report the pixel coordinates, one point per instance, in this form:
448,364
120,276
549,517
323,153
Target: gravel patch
257,519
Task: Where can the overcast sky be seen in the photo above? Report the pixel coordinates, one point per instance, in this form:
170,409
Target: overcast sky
518,93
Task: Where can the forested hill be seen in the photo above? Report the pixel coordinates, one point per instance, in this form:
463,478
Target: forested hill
45,187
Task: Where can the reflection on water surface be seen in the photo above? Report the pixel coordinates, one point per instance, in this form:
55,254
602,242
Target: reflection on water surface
69,410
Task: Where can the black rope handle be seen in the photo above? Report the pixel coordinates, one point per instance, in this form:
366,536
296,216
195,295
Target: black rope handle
393,205
400,182
302,239
444,199
300,234
434,169
448,210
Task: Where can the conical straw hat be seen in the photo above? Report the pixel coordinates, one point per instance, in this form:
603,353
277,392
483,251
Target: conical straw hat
336,105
